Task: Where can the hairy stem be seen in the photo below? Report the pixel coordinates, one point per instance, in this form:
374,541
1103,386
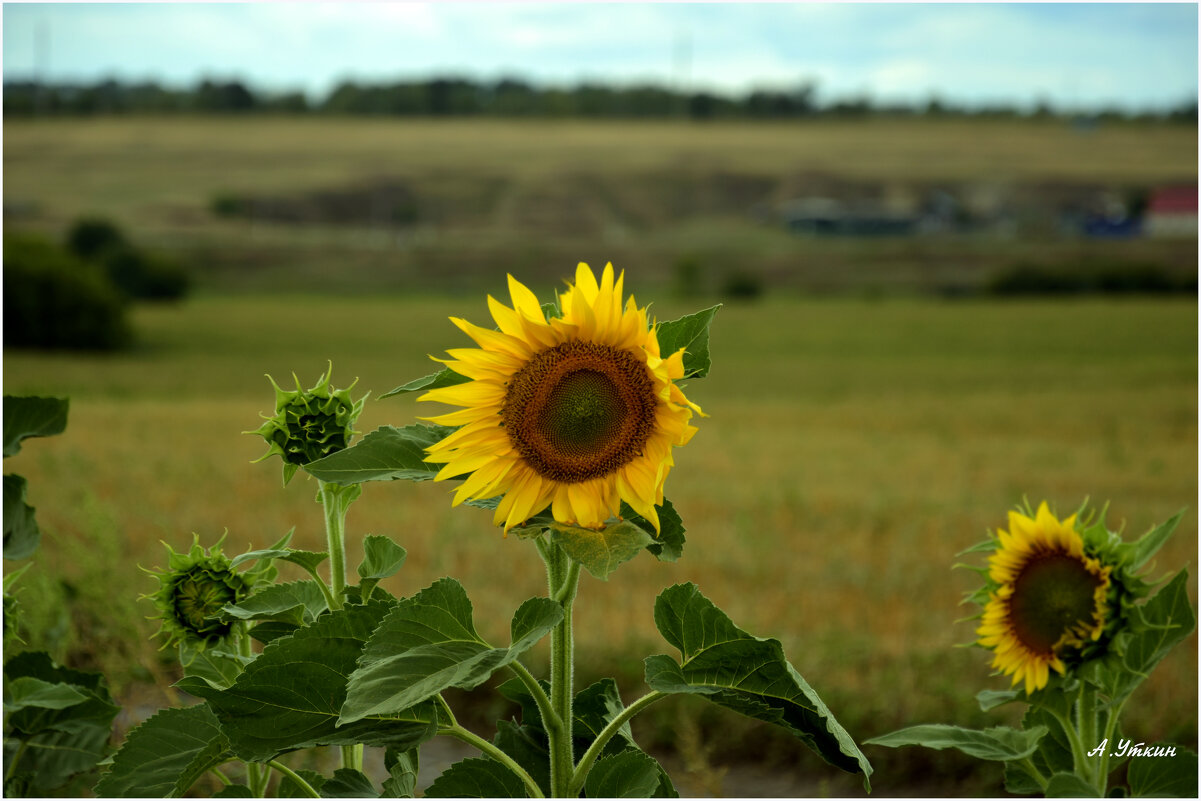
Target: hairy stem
563,577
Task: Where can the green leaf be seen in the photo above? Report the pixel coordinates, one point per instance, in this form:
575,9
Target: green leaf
445,377
630,774
1000,744
1166,620
529,748
387,453
219,668
744,673
290,788
402,767
476,778
1164,777
242,791
601,552
21,533
692,333
348,783
290,695
297,602
1069,785
58,741
271,630
26,417
381,559
97,710
668,544
29,691
428,643
991,699
164,756
1147,545
309,560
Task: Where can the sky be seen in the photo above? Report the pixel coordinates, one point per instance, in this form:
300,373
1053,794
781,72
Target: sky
1136,56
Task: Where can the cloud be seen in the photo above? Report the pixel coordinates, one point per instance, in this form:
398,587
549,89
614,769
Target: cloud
1133,54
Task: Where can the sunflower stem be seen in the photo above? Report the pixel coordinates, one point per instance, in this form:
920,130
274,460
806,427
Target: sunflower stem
1111,725
550,717
1087,717
335,501
563,577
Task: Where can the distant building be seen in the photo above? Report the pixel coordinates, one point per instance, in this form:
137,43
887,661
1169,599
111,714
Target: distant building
1171,212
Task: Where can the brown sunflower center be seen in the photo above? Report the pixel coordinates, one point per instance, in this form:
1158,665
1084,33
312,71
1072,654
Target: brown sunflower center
1052,595
580,410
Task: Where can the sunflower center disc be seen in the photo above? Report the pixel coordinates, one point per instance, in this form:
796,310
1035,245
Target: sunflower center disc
580,410
1052,595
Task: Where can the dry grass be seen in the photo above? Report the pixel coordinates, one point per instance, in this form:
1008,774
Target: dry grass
853,449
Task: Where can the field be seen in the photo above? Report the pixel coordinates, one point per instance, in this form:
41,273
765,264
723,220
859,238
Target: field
863,428
854,447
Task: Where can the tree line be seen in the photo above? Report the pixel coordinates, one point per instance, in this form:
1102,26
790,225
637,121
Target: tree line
507,97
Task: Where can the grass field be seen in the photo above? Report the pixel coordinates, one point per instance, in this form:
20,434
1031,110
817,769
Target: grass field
862,432
494,195
854,447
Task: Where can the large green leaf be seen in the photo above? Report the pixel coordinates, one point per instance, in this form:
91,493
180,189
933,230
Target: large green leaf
56,741
1172,776
744,673
999,744
428,643
26,417
630,774
21,533
692,333
29,691
601,552
445,377
529,748
385,454
476,778
290,696
296,602
163,757
1166,619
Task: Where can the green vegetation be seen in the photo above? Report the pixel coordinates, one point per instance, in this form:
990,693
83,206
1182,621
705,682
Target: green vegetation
371,205
871,441
53,300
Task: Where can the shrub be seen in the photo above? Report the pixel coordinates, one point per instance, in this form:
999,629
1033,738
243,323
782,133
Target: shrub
144,276
91,236
53,300
136,273
741,285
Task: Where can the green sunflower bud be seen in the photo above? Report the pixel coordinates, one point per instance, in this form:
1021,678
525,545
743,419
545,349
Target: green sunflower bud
309,423
192,591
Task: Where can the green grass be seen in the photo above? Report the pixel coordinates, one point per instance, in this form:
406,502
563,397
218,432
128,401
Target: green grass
532,196
853,448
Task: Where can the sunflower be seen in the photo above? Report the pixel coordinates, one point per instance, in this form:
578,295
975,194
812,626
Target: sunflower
579,412
1049,596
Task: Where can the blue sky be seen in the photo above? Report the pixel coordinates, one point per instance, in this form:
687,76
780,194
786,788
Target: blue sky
1138,56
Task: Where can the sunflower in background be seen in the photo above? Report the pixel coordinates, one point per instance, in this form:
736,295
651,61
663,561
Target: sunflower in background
1048,597
577,412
